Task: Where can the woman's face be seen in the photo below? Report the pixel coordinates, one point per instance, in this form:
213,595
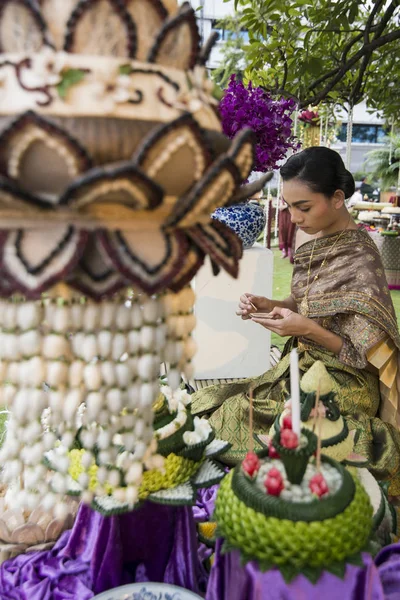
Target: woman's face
310,211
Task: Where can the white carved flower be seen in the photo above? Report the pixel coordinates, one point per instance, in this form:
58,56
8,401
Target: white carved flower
171,397
182,396
202,428
199,94
111,88
46,69
191,438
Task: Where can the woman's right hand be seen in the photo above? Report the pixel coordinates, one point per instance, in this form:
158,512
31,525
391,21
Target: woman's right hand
260,303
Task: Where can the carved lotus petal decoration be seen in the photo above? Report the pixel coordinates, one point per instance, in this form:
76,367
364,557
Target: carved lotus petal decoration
177,44
149,218
193,261
36,259
124,185
30,35
220,243
175,155
151,266
116,38
241,152
213,190
57,20
138,29
29,534
149,16
95,276
31,142
39,528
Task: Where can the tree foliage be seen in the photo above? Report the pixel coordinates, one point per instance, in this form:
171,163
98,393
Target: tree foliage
384,163
233,53
336,52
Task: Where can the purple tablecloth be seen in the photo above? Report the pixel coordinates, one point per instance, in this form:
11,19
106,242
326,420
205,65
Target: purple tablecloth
230,581
158,543
154,543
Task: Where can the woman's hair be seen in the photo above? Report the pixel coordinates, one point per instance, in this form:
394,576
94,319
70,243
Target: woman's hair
322,169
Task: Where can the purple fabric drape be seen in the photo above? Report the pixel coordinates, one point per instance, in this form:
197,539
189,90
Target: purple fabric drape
158,543
205,502
153,543
388,563
230,581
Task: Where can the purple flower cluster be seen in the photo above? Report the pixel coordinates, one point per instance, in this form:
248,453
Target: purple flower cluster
270,120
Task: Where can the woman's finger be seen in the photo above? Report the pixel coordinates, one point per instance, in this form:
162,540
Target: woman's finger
243,314
271,324
244,306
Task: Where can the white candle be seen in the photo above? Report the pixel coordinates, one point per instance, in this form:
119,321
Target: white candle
295,390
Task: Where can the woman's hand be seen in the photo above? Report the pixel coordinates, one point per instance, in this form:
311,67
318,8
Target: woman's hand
260,304
285,322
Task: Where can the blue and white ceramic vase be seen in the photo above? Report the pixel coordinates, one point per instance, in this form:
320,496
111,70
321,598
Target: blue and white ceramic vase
246,219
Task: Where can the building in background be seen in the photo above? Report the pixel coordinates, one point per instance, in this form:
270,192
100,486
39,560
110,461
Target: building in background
368,133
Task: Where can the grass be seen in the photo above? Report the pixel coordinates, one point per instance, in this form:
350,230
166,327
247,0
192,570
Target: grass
281,289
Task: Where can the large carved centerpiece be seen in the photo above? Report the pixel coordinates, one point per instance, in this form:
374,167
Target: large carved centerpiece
111,162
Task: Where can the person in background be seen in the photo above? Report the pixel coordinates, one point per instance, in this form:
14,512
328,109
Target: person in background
366,189
287,231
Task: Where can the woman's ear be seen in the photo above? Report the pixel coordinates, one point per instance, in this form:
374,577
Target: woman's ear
338,199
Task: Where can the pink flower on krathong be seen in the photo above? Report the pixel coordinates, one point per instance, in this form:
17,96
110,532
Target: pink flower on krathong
319,411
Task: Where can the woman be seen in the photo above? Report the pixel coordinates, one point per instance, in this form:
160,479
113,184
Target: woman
339,311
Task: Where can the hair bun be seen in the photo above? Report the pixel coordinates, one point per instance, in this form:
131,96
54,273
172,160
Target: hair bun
322,169
348,185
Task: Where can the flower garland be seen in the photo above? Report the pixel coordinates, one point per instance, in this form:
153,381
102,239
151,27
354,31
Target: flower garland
247,106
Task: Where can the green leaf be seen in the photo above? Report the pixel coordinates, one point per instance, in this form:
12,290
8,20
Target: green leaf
70,77
125,70
337,569
227,547
288,572
265,565
307,38
312,574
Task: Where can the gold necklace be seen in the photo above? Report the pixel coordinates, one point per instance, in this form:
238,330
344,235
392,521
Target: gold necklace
304,306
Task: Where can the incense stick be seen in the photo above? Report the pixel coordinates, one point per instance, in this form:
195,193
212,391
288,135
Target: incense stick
251,440
317,395
319,442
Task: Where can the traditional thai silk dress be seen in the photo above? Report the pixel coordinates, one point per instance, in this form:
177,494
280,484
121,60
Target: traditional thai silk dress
350,297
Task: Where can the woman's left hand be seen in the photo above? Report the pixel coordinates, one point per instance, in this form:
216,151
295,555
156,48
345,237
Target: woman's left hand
285,322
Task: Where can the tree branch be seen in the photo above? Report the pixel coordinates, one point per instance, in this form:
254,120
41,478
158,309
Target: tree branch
369,27
365,50
355,98
285,67
386,18
370,20
334,71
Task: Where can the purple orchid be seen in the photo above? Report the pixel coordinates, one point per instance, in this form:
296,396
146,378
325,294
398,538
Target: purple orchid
269,118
